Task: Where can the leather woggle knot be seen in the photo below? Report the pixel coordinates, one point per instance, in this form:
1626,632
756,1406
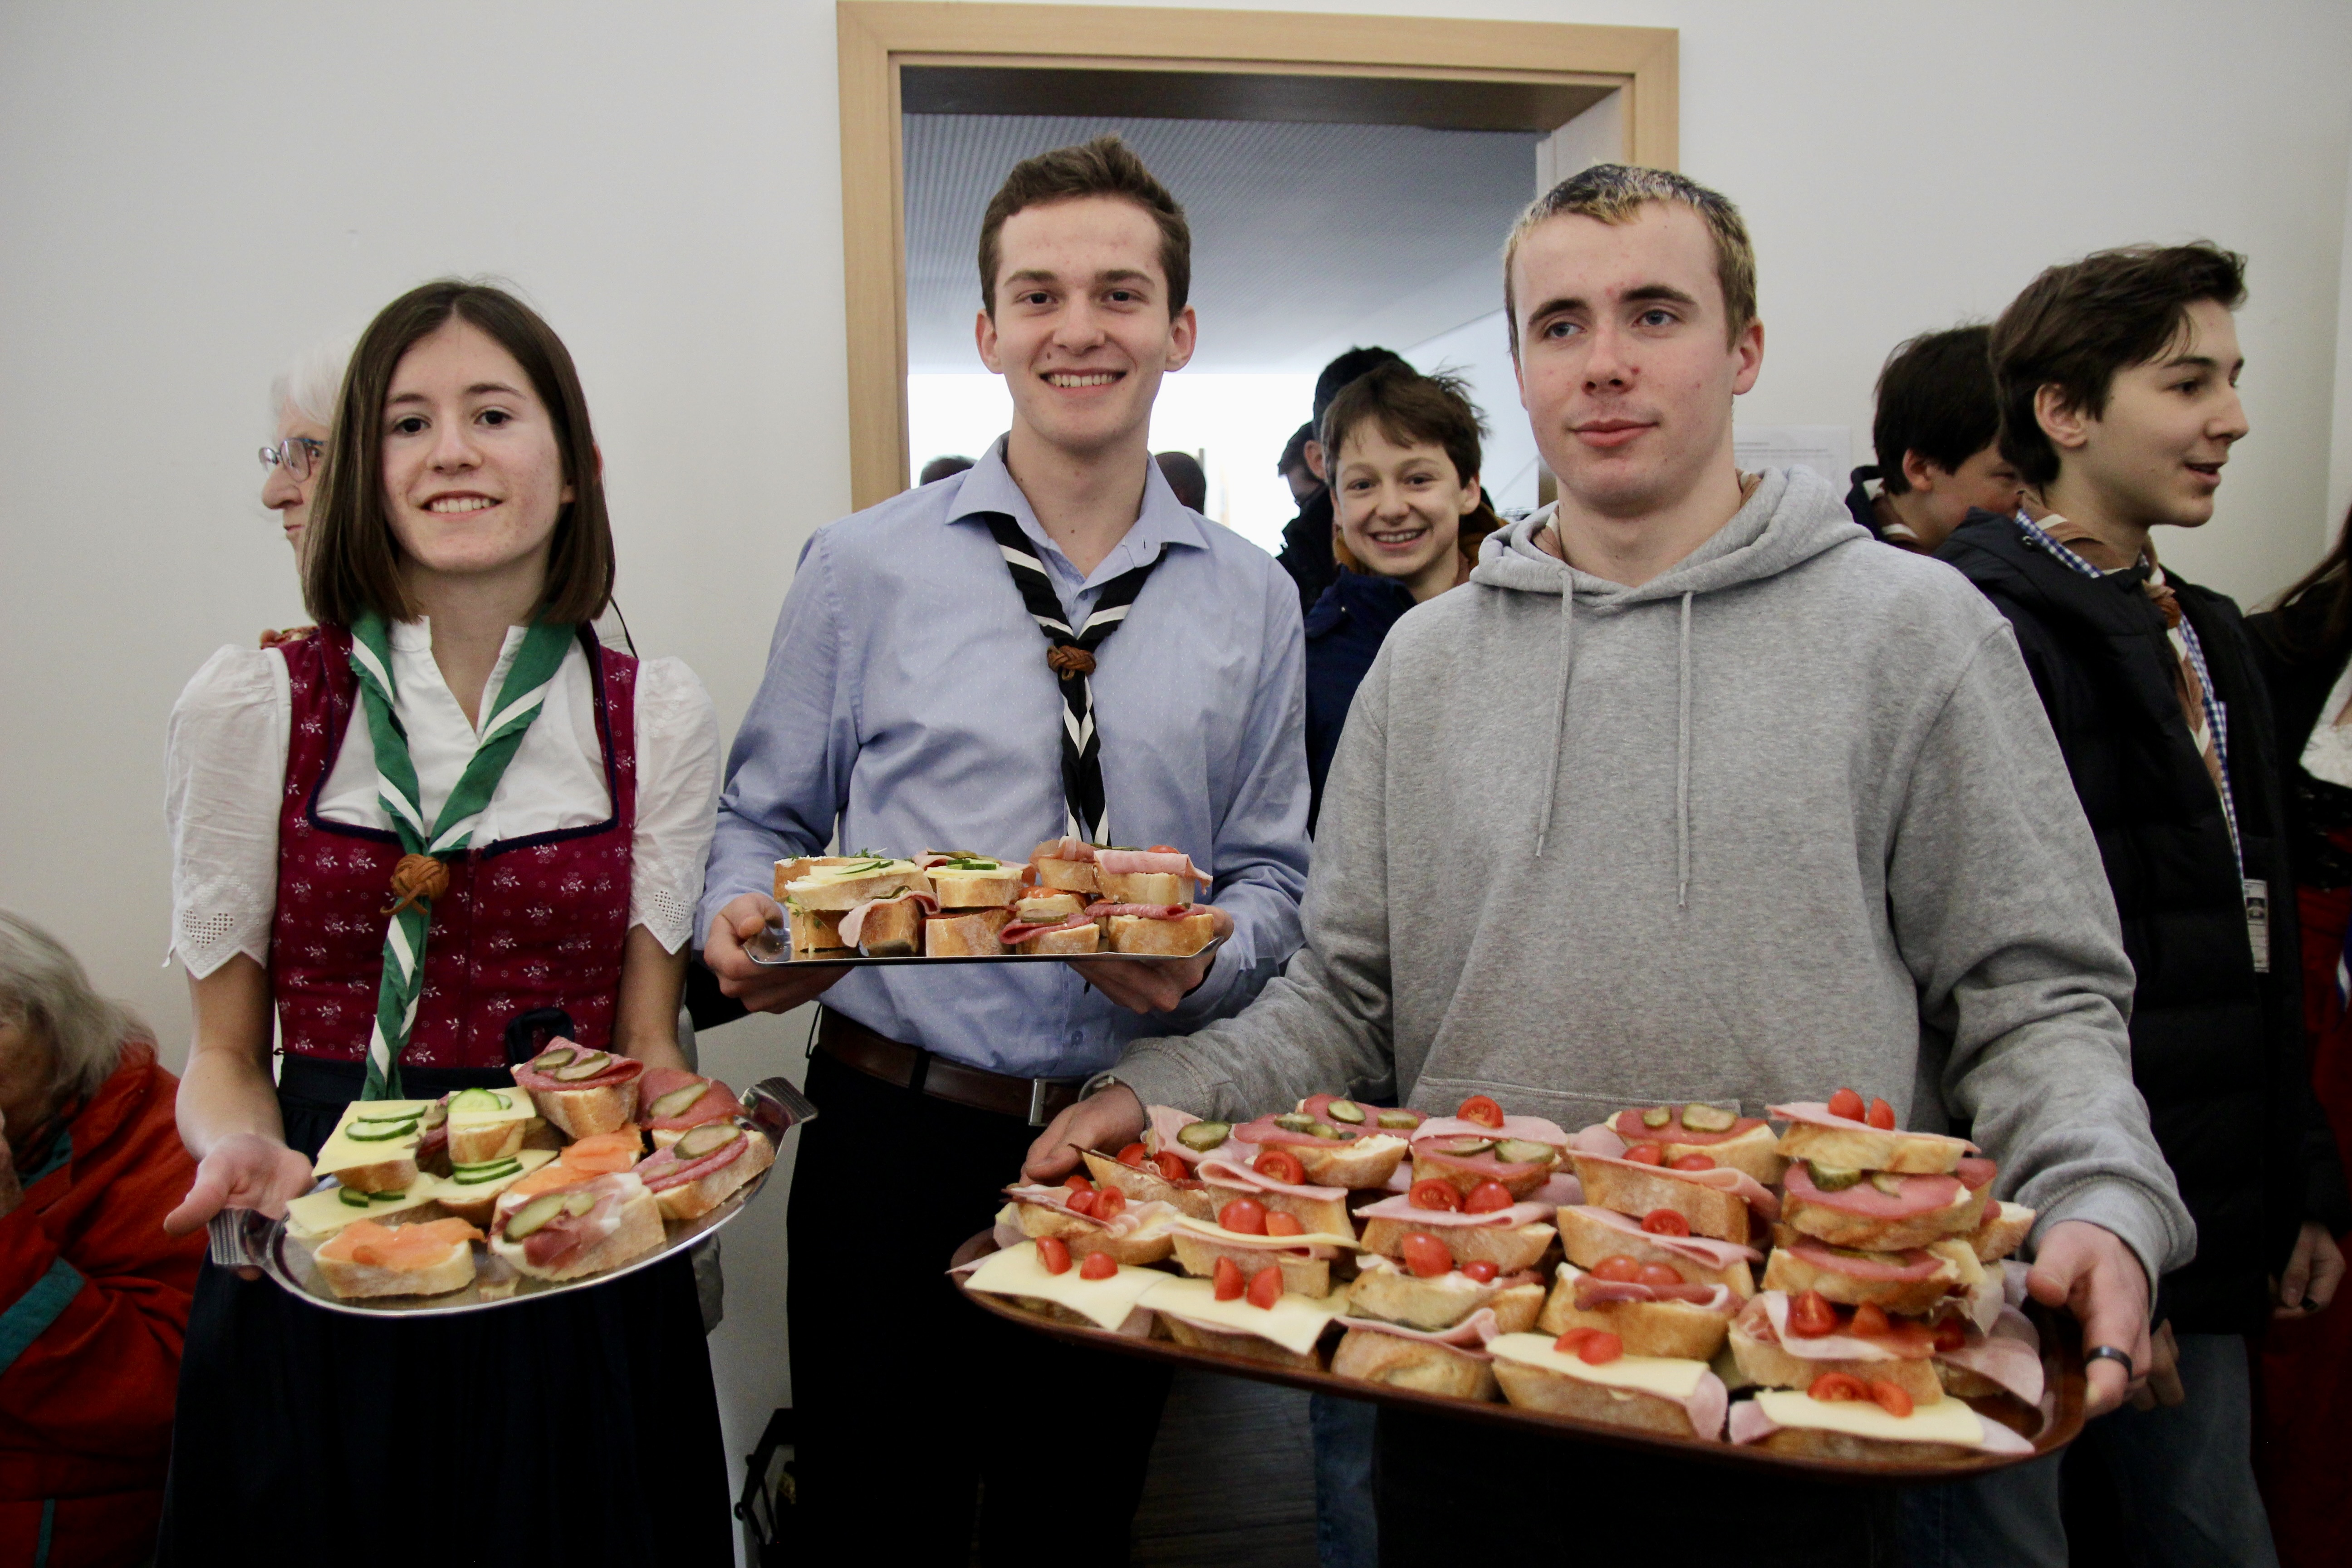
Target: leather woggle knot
1066,661
416,882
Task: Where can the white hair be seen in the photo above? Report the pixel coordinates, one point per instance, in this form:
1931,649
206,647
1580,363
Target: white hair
313,383
44,991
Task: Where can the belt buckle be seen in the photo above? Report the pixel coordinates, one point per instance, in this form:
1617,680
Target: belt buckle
1037,1088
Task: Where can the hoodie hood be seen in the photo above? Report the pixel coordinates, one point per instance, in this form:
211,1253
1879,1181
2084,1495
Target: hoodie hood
1790,517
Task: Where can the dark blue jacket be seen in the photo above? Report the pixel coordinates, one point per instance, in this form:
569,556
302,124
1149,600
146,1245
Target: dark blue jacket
1344,630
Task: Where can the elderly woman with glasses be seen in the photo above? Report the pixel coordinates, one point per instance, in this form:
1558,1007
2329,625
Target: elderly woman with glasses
302,401
94,1296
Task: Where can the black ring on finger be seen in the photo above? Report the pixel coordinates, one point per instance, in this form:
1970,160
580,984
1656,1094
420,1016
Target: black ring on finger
2109,1353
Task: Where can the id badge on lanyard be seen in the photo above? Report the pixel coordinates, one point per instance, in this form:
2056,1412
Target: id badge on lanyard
2258,921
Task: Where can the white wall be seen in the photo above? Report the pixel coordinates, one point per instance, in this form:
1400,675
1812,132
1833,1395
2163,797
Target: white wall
188,194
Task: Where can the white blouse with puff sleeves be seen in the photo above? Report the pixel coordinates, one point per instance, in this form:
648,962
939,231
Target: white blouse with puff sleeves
225,772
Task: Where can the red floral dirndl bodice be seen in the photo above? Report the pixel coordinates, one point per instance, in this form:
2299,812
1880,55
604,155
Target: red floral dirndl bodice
530,923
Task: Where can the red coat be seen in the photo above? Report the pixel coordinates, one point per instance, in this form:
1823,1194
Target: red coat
93,1306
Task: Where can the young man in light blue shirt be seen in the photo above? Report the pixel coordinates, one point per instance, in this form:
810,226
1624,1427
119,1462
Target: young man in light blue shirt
910,704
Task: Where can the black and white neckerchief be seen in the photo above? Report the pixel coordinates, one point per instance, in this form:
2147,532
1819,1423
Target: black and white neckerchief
1070,655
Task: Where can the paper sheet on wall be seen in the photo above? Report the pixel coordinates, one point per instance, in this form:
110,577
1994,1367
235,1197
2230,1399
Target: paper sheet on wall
1827,449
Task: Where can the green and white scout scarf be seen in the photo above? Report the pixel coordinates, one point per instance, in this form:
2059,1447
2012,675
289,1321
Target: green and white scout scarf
422,874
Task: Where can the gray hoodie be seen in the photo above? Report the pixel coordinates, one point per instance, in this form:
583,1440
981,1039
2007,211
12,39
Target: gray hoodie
1787,818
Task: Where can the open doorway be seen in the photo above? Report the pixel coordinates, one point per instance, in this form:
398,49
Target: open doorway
1262,123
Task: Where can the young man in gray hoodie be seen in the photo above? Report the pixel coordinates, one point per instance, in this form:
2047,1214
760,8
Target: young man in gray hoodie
1695,793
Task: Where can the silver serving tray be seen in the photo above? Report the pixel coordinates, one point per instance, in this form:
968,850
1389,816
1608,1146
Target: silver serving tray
246,1238
772,949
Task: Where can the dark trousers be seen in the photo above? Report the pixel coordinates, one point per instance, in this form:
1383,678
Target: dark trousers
1443,1484
916,1409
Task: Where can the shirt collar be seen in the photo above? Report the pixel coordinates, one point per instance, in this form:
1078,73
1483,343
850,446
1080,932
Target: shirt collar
988,486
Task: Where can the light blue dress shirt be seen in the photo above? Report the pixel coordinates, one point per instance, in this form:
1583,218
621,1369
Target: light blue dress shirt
907,700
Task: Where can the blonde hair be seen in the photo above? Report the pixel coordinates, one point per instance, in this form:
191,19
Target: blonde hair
44,991
1614,192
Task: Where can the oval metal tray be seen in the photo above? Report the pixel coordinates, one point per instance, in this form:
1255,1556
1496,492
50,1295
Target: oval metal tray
248,1238
2061,1362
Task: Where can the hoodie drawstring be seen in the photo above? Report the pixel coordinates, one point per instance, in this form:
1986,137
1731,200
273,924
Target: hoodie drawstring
1559,708
1681,764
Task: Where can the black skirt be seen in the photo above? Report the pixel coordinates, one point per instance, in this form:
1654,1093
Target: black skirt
582,1429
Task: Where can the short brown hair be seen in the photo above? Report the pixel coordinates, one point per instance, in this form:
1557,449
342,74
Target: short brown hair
2076,325
352,561
1105,166
1614,192
1411,408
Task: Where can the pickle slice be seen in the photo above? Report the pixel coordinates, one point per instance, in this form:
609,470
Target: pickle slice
1887,1182
1709,1119
584,1066
1399,1119
534,1215
1203,1136
1463,1148
552,1058
1657,1116
1346,1111
578,1204
706,1139
1832,1178
1325,1129
1520,1152
1294,1122
676,1101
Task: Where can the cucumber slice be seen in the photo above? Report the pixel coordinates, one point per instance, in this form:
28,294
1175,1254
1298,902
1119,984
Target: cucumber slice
489,1170
534,1215
677,1101
354,1197
578,1204
381,1134
477,1099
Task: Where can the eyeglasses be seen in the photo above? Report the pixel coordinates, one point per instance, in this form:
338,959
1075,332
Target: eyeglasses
298,453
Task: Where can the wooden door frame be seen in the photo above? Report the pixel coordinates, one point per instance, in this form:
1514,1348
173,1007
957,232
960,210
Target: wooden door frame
877,38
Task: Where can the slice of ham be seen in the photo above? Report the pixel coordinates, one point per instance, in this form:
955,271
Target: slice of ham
1751,1424
1813,1113
2010,1355
560,1238
1723,1178
1766,1318
1485,1164
1920,1195
1627,1124
1469,1336
1166,1122
1264,1132
1401,1208
1228,1172
853,924
1318,1106
664,1170
1561,1190
1021,931
1918,1263
1062,849
1148,863
1591,1292
1149,1215
1141,912
1526,1129
715,1103
1703,1250
620,1071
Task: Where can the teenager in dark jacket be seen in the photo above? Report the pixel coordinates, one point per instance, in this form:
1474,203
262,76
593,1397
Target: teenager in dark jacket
2119,406
2303,1440
1933,431
1403,452
1306,551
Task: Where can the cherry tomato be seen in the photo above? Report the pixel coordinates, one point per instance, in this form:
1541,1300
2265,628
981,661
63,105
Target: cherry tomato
1951,1334
1870,1322
1567,1342
1133,1156
1081,1203
1845,1103
1836,1387
1246,1216
1487,1197
1646,1155
1429,1193
1657,1274
1599,1348
1665,1222
1265,1288
1617,1268
1881,1115
1482,1270
1280,1224
1695,1162
1099,1266
1054,1254
1078,1184
1109,1204
1280,1165
1426,1257
1227,1281
1163,850
1811,1315
1482,1110
1891,1399
1174,1169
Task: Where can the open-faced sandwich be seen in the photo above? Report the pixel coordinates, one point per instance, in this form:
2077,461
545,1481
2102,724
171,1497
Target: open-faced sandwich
672,1102
1586,1373
375,1146
1052,920
1479,1145
1724,1136
429,1258
706,1166
1087,1219
1044,1278
1238,1313
585,1227
1248,1235
869,904
582,1092
1692,1196
1341,1147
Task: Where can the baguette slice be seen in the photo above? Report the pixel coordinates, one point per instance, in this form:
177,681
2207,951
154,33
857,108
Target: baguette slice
1959,1272
637,1232
1071,876
1857,1147
431,1258
791,871
1326,1216
970,935
692,1200
2004,1230
1755,1152
1178,937
1536,1377
1765,1362
1872,1233
816,932
1249,1347
1586,1241
1512,1249
1149,1187
1044,906
1639,1190
473,1201
1197,1254
1366,1163
1385,1292
978,890
845,886
584,1112
1141,1248
1076,938
1144,886
1421,1365
1679,1331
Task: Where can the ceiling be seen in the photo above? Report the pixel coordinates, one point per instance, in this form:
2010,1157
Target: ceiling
1306,236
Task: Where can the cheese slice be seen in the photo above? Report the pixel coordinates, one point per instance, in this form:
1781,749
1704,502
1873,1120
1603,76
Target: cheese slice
341,1152
1293,1322
1668,1377
318,1216
1015,1271
1945,1421
1209,1230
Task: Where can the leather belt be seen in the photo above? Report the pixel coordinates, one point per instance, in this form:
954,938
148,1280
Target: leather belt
853,1045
